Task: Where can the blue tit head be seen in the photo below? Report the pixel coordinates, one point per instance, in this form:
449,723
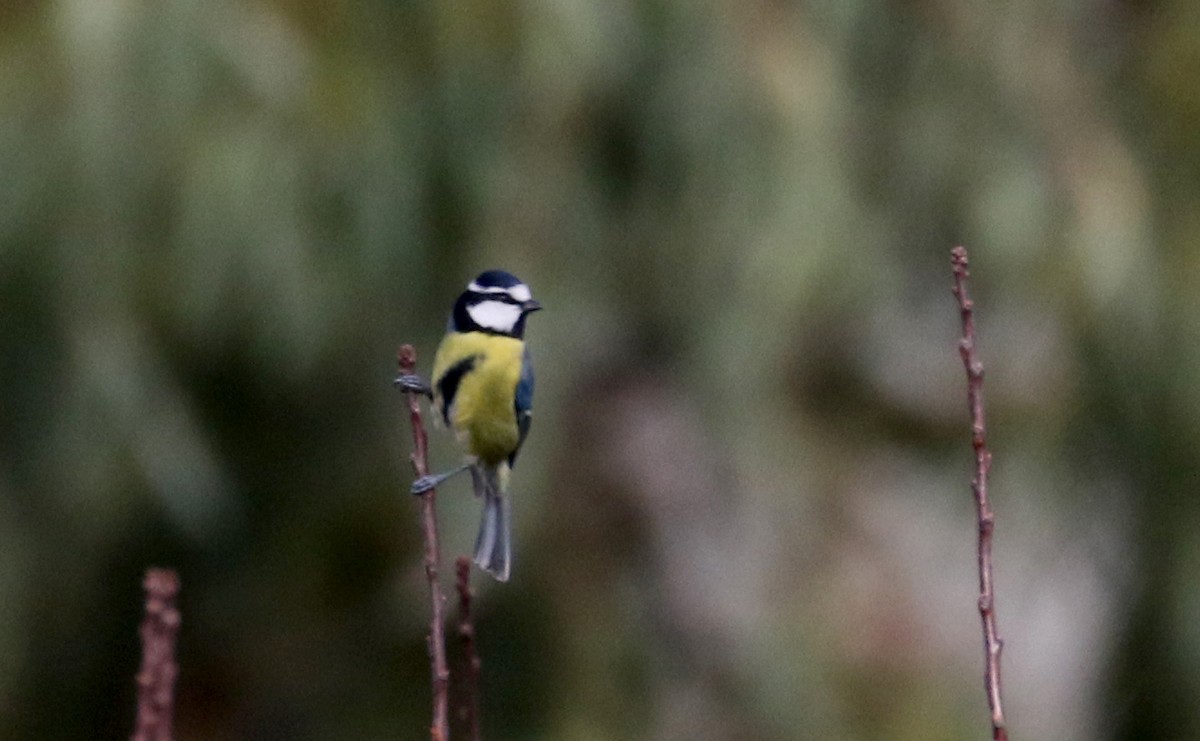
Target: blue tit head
495,302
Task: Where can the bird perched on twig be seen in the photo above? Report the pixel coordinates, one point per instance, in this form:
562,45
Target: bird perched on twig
482,388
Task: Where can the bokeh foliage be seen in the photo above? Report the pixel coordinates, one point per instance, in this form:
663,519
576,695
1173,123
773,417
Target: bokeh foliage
743,511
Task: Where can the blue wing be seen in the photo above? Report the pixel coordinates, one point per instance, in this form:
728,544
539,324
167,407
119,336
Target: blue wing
523,403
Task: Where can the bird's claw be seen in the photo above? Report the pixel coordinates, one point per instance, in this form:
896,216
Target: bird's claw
413,383
430,481
424,484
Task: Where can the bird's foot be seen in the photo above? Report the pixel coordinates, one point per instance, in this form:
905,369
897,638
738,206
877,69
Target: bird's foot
425,483
415,384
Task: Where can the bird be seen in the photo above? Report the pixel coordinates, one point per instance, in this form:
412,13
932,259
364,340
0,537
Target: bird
482,389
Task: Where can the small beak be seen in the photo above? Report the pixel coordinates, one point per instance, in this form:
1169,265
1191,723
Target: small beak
529,306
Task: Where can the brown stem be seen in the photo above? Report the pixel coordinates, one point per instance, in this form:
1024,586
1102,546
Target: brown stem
992,643
156,677
469,712
439,730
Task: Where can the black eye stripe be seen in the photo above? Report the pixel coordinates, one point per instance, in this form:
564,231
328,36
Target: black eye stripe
501,297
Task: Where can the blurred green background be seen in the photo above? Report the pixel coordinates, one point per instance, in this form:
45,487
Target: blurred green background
743,511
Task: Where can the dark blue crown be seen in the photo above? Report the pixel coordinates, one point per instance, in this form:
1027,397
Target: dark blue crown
497,279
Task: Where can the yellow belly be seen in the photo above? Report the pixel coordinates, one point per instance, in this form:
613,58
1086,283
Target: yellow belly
482,413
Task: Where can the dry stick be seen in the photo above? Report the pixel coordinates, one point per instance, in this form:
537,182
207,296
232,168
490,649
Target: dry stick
156,677
440,729
469,711
992,643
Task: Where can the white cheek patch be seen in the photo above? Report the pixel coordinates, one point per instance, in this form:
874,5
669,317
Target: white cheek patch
495,315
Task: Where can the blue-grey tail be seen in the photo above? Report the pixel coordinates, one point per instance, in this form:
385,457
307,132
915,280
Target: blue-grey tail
493,546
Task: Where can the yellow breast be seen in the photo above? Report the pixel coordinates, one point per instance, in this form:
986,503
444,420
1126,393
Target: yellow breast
482,411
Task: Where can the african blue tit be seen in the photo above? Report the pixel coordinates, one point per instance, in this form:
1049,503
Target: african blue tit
482,388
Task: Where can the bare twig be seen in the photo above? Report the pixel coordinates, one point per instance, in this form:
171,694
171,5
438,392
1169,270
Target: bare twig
469,710
156,677
992,643
439,730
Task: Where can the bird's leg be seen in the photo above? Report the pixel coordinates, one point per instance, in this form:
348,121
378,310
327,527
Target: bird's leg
478,480
425,483
415,384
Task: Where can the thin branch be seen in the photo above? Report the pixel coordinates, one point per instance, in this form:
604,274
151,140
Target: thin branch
156,677
992,643
469,710
439,730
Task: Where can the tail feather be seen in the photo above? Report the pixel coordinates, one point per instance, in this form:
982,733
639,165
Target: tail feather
493,546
